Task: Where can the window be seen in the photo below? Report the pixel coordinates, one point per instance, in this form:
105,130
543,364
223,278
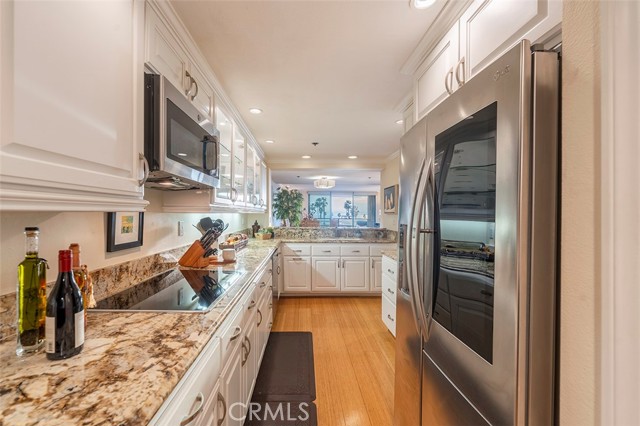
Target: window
344,209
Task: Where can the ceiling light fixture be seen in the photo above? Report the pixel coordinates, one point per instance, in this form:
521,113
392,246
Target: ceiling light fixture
399,121
269,141
352,157
421,4
255,111
306,157
324,183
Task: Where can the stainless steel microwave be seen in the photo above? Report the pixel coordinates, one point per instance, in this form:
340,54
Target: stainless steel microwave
181,144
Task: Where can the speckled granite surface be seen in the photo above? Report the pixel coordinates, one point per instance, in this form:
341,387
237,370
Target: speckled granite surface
392,253
380,235
129,365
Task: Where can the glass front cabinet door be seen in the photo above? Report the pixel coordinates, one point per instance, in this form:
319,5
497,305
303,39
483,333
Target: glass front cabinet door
223,195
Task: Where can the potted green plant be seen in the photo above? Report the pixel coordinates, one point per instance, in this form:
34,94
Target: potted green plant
287,205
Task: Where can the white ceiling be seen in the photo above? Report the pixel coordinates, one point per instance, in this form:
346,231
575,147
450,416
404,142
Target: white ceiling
325,71
345,179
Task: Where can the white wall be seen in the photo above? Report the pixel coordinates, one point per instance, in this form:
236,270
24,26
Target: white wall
390,176
58,230
580,225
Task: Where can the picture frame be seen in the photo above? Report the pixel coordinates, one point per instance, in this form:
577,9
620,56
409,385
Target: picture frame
390,199
124,230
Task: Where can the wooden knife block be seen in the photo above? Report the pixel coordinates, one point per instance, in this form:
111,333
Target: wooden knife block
194,257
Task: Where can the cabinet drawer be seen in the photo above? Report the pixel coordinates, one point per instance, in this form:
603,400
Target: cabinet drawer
325,250
231,333
296,250
389,268
376,249
194,390
389,287
355,250
389,314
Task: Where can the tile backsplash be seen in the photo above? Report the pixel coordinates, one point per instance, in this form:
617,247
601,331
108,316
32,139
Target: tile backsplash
385,235
106,282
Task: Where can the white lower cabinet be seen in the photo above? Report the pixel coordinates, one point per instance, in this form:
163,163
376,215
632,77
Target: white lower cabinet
355,274
232,385
217,388
388,275
330,268
297,273
325,274
376,274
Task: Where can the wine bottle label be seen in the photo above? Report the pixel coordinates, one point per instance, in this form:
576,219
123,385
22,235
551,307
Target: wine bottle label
50,335
79,320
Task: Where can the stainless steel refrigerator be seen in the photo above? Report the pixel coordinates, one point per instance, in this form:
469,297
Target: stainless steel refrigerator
476,303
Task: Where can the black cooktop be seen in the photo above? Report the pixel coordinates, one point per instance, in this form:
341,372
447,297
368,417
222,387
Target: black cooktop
176,290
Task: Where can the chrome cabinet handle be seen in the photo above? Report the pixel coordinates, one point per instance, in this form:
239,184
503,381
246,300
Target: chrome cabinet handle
391,291
187,91
343,263
278,270
355,251
248,348
389,316
391,271
459,67
448,82
191,417
326,251
234,195
297,251
297,258
373,264
145,168
236,334
224,409
263,284
251,305
260,313
195,94
270,325
261,202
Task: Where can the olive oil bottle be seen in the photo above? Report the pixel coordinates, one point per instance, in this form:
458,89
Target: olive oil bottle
31,296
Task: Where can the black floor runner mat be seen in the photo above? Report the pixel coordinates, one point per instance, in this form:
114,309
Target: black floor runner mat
287,370
286,385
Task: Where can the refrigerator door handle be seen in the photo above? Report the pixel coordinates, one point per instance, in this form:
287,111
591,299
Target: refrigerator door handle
434,276
415,238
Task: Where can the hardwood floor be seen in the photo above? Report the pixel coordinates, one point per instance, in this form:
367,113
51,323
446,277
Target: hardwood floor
354,357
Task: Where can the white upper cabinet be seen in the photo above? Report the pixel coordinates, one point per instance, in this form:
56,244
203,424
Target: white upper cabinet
71,106
486,30
490,27
434,79
163,52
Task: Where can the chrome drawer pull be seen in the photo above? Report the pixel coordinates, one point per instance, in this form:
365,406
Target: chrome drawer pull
251,305
224,409
191,417
390,271
389,290
236,334
262,284
389,316
260,322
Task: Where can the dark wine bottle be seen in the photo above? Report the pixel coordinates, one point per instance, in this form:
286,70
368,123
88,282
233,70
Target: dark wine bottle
65,313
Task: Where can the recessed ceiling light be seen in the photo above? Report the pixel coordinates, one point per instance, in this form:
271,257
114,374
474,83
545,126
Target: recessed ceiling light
269,141
255,111
306,157
352,157
182,154
422,4
399,121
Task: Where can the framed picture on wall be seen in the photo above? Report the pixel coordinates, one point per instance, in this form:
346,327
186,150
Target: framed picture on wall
124,230
390,199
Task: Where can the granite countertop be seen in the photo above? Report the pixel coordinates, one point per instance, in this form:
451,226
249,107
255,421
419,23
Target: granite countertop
336,240
120,378
392,253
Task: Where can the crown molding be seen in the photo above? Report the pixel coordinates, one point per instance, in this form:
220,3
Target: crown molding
450,13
